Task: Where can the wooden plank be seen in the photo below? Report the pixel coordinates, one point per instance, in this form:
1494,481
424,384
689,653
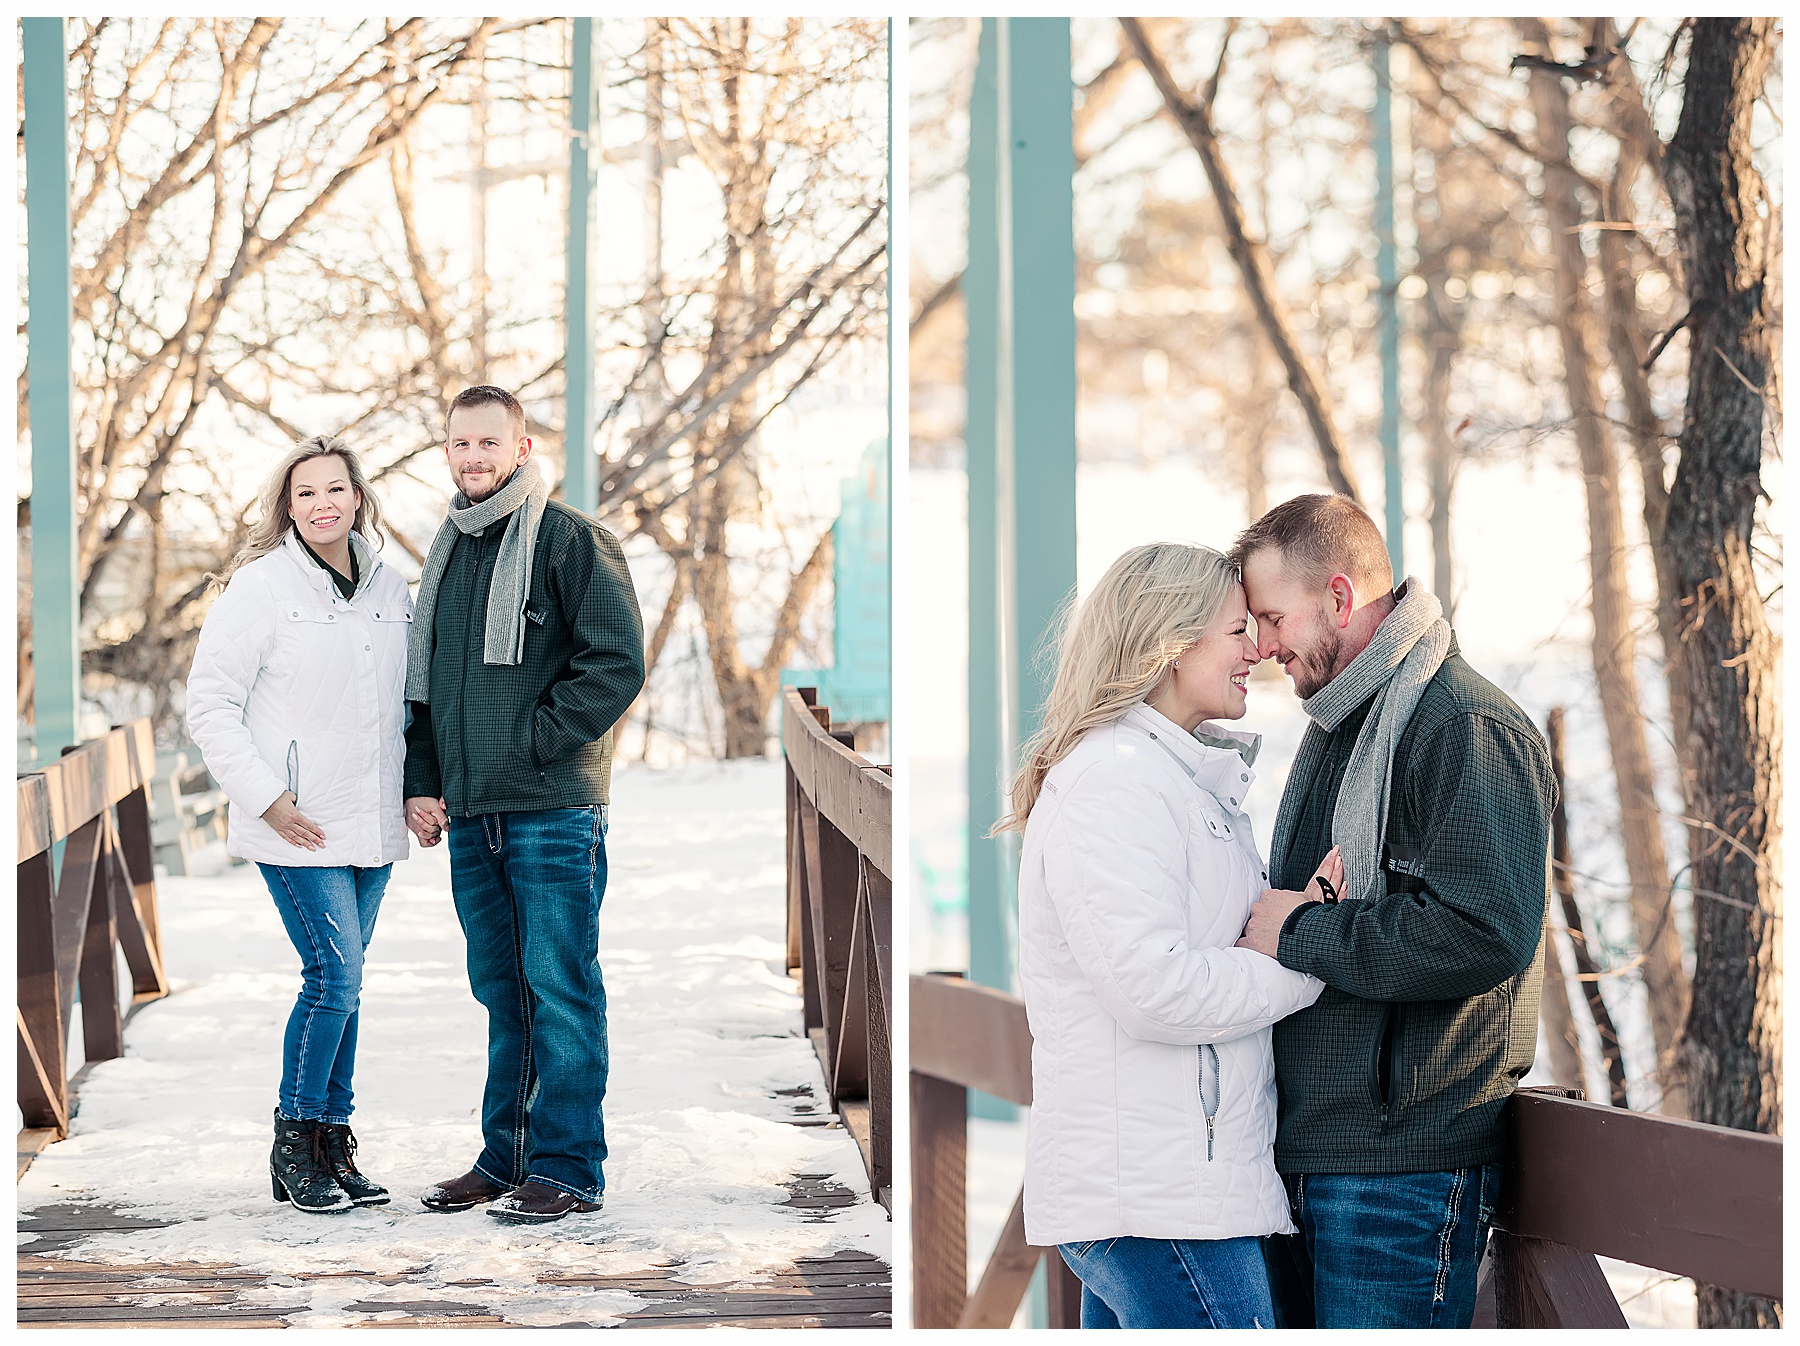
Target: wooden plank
879,914
69,910
1694,1200
33,1141
1006,1276
940,1222
34,814
791,798
137,853
43,1022
971,1035
1540,1284
850,1067
136,931
850,790
102,1025
1063,1289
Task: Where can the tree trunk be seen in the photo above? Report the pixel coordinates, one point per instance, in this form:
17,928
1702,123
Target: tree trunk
1733,1047
1558,1019
1614,645
1443,337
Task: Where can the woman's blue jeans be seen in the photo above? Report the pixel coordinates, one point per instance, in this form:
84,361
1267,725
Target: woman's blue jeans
330,914
528,888
1133,1282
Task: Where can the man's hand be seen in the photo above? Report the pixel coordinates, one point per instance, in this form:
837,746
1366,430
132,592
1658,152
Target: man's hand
1262,931
426,819
293,826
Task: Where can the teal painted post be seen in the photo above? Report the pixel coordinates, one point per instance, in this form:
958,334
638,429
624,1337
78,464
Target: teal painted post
1387,275
55,583
581,485
1043,350
990,956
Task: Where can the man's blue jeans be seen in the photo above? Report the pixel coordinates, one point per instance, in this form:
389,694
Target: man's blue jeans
330,914
528,889
1133,1282
1382,1249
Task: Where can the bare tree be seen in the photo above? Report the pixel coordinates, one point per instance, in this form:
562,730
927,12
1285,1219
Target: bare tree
1731,658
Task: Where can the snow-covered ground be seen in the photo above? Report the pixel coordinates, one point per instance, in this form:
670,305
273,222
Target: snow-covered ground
704,1029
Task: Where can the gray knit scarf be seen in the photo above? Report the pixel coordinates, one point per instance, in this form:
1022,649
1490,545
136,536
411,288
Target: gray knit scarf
507,591
1406,653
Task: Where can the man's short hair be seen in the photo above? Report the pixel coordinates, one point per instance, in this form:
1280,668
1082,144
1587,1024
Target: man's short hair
1319,536
487,395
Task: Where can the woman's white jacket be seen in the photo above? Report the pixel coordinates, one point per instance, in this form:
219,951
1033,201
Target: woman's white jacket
1153,1078
297,688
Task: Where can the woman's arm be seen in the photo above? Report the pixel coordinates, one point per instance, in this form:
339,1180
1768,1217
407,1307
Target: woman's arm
1116,869
234,644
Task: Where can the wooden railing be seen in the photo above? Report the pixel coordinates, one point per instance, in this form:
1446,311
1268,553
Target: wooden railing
95,800
1581,1179
840,845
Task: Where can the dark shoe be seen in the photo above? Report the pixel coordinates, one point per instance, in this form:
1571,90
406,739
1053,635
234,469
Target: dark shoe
340,1157
461,1193
533,1202
298,1173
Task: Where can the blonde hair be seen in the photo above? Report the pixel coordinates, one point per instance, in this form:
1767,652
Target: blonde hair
1114,647
273,517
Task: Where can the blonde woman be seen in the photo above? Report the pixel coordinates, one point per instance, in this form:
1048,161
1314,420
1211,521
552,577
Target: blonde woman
1150,1160
296,701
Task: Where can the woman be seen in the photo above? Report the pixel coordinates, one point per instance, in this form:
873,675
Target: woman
296,701
1151,1153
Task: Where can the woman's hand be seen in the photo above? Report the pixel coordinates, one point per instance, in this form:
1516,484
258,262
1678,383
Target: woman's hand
293,826
1327,882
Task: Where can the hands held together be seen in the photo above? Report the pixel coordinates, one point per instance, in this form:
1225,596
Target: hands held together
1262,931
426,819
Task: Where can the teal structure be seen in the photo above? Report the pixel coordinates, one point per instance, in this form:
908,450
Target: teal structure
1019,287
55,578
581,484
858,686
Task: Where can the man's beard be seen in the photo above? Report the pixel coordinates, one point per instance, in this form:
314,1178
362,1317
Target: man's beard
1318,666
477,499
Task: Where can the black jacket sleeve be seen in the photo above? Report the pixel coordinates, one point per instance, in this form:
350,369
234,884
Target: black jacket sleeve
1482,793
421,776
592,586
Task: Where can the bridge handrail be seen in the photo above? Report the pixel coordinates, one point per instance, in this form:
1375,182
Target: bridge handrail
95,800
1581,1179
840,837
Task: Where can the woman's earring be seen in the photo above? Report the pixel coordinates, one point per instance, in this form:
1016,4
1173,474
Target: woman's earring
1176,664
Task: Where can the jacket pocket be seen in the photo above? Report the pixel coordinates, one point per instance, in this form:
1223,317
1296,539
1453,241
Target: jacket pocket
1209,1091
1384,1062
293,770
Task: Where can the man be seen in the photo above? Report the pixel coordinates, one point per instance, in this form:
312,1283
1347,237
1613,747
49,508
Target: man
1438,790
526,649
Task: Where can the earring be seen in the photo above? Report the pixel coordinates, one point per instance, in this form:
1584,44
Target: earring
1176,664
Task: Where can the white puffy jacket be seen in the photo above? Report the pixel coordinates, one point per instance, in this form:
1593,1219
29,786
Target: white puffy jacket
297,688
1153,1080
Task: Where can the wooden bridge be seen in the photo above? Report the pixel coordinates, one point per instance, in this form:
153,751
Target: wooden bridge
1581,1179
79,911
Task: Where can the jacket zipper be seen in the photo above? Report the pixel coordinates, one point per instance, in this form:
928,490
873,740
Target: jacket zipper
1384,1062
1209,1056
293,770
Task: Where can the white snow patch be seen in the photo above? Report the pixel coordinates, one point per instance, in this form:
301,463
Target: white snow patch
704,1027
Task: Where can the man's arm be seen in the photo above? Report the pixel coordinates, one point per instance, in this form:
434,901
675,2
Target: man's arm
1482,792
606,671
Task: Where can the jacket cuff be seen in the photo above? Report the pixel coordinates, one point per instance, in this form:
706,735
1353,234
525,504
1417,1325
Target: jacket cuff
1289,951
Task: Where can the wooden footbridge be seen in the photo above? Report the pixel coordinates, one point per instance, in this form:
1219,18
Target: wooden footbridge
78,910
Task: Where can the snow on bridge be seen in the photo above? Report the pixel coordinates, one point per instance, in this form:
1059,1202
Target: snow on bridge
731,1192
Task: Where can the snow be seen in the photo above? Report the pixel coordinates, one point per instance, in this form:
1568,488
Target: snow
704,1025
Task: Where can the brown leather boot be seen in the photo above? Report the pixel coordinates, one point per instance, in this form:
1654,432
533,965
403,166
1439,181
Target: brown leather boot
461,1193
533,1202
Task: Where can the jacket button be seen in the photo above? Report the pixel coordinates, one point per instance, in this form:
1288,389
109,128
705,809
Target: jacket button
1245,776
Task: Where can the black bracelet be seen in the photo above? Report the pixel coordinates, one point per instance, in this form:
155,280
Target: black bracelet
1325,887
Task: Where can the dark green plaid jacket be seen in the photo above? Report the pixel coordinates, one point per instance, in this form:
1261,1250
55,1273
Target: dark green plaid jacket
1430,1011
500,738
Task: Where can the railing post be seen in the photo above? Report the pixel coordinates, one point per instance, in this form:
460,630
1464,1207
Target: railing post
940,1171
102,1026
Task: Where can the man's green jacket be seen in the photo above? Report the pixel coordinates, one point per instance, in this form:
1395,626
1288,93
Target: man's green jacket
1429,1016
502,738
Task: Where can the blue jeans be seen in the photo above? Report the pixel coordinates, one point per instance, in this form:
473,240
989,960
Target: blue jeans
1133,1282
330,915
1382,1249
528,889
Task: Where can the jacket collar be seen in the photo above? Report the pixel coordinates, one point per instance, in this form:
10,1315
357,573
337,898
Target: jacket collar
1215,758
366,563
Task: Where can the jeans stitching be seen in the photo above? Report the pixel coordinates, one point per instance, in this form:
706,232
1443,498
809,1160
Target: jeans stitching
521,1120
307,1021
1452,1211
1194,1279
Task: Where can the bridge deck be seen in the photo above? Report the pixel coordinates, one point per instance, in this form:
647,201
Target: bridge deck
733,1195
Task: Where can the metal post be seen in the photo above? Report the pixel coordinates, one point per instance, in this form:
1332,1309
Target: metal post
1387,269
581,484
55,589
1020,290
